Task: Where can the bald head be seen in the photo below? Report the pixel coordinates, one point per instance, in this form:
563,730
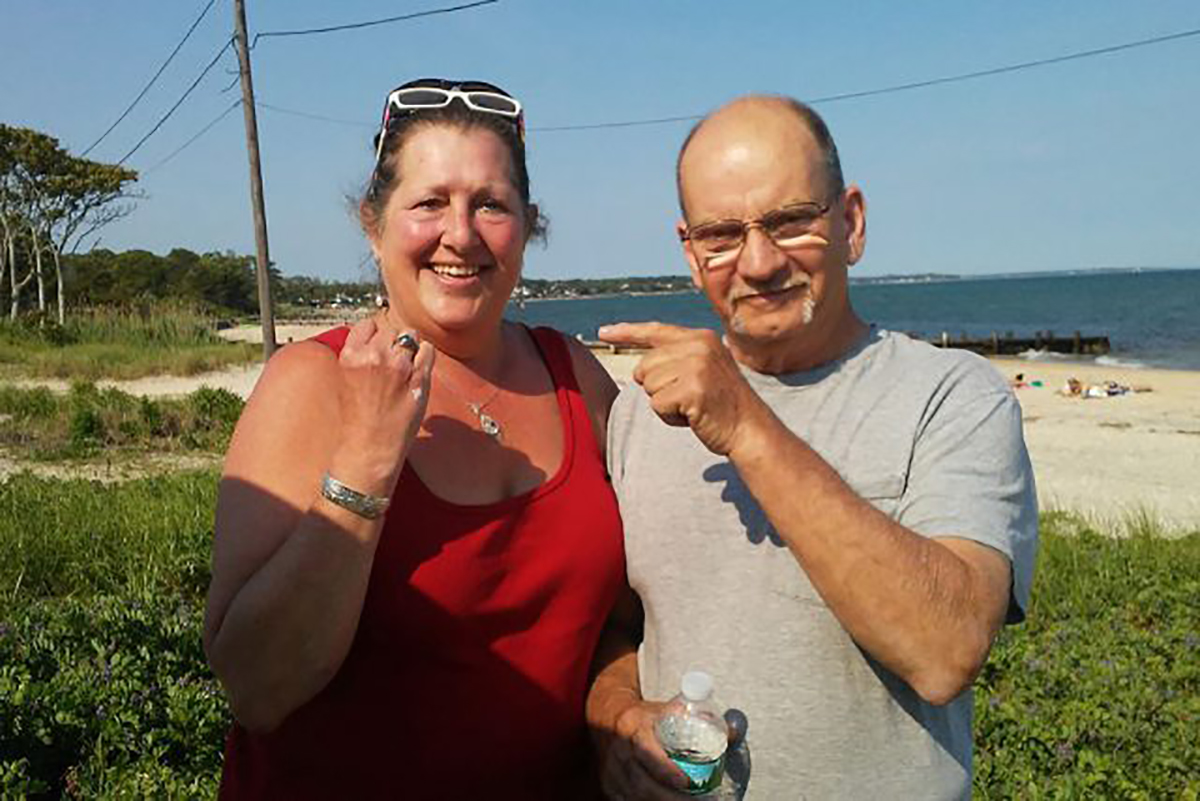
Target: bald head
778,124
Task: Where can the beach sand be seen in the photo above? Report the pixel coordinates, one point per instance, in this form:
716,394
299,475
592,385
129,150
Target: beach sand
1111,459
1116,456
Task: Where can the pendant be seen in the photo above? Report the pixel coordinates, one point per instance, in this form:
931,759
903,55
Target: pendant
489,426
487,423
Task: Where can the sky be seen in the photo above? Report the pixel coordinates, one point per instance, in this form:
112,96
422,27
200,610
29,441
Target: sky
1087,163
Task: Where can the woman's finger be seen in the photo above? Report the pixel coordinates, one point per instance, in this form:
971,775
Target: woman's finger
422,370
423,361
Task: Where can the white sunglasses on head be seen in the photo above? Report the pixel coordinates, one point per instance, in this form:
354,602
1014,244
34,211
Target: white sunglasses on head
419,98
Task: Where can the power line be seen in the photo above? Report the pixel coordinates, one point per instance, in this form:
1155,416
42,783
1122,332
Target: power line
620,124
904,86
693,117
814,101
309,116
197,135
179,102
146,88
370,23
1100,51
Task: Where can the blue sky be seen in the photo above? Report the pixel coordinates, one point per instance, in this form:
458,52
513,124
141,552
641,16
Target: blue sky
1088,163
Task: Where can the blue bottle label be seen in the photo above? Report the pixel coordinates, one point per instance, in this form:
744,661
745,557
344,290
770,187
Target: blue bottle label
703,776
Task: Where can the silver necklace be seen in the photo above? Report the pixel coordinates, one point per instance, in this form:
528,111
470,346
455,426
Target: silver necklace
487,424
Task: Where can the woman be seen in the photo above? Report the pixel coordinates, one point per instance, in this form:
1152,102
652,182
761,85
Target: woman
416,546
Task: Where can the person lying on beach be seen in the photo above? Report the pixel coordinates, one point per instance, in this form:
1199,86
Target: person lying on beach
1072,389
831,520
1107,389
416,542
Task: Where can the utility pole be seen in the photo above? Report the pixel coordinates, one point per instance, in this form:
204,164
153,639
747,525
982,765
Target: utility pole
256,189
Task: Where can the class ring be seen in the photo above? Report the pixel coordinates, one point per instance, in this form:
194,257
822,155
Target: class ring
406,341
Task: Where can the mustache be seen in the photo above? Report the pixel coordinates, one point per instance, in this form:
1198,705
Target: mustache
789,282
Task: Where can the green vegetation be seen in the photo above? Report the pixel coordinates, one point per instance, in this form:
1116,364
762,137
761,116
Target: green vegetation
66,539
1097,695
223,283
104,692
120,343
40,425
50,202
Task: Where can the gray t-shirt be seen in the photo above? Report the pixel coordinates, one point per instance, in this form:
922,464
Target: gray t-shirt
930,437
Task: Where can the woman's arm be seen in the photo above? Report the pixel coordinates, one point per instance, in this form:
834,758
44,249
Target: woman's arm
290,568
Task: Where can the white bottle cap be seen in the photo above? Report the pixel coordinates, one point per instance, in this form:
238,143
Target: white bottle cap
696,685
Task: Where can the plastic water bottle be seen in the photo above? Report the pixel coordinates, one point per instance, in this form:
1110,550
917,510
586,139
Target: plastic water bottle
694,734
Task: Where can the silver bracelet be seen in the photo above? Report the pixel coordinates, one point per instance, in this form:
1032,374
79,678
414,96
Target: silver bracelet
363,505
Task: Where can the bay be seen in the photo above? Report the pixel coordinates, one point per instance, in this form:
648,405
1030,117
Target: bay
1150,316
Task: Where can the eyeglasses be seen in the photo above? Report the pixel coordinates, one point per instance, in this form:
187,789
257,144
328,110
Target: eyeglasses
433,93
720,241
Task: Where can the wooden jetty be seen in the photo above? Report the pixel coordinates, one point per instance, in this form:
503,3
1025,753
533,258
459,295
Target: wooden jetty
1008,345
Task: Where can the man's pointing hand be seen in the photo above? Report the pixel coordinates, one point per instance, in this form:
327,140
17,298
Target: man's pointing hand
691,380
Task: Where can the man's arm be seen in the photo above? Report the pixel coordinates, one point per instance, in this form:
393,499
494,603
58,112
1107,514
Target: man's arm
632,764
926,609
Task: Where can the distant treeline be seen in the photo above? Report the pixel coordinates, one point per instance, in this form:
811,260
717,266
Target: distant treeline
225,283
583,287
221,282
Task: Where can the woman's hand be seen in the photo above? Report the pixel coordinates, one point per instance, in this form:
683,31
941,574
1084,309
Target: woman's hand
383,393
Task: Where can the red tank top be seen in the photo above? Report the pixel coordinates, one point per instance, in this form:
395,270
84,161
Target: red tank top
467,676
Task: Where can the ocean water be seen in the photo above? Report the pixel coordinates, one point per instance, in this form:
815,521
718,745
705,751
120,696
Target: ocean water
1150,317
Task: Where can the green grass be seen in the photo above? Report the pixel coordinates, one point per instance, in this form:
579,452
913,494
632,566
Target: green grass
119,343
40,425
78,539
104,692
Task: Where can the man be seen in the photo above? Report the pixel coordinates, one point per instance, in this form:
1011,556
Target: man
835,522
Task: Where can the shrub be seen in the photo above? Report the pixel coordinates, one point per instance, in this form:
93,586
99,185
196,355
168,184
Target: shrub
108,697
104,690
1098,693
27,404
46,426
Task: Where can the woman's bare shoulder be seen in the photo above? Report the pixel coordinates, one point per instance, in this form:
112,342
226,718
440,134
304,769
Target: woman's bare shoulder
295,367
593,378
596,385
294,401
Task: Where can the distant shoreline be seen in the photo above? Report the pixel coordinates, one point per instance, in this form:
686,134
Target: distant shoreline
938,278
602,295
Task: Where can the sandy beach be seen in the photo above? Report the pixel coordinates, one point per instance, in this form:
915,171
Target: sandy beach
1115,456
1111,458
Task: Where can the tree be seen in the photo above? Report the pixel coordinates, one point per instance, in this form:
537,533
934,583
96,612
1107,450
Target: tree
12,217
55,201
83,198
224,280
219,282
32,159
